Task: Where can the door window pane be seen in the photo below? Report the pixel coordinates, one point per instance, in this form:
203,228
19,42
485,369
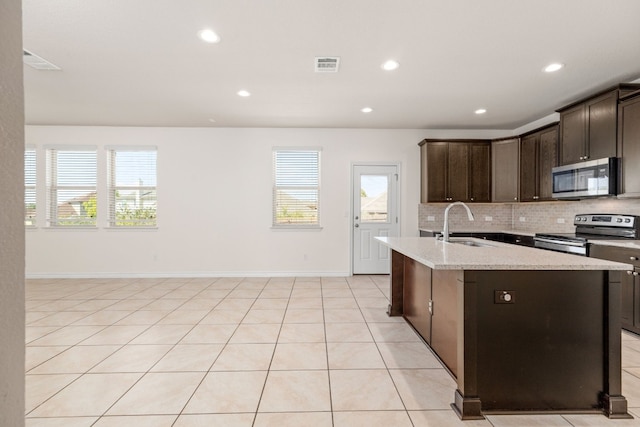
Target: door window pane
374,203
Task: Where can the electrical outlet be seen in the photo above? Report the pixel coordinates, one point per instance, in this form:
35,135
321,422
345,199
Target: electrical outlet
431,218
522,219
488,218
504,297
560,220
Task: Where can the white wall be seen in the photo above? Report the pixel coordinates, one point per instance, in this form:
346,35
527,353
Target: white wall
12,314
214,203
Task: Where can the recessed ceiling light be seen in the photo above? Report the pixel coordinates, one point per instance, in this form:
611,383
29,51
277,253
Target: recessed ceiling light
244,93
553,67
480,111
390,65
209,36
367,110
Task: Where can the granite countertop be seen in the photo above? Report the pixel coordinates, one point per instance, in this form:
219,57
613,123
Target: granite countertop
441,255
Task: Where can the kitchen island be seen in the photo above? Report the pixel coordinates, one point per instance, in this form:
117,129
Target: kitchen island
520,329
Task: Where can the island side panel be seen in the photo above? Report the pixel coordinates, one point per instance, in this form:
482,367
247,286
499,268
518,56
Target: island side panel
397,284
417,297
467,404
614,404
544,350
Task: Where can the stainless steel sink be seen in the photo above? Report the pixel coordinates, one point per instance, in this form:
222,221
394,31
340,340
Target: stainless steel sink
474,243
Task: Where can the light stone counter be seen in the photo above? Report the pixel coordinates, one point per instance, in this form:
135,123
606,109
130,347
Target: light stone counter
440,255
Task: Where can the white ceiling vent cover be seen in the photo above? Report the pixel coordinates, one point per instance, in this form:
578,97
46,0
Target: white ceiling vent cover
36,62
327,64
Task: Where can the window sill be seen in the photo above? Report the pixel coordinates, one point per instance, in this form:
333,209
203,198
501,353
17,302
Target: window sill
118,229
69,228
296,228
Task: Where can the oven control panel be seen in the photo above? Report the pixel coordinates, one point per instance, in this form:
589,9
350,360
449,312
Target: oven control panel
606,220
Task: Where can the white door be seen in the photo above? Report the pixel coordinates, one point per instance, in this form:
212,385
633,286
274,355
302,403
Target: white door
374,213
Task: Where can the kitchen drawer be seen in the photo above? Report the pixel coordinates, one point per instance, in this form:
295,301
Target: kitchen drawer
616,253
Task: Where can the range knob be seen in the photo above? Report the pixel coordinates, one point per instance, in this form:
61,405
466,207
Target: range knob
627,220
619,220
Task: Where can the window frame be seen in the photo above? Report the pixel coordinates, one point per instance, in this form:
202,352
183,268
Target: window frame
316,225
31,187
53,188
112,187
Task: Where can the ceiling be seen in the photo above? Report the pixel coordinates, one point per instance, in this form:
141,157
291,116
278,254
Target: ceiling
141,63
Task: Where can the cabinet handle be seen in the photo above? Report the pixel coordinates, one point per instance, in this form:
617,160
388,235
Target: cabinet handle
633,258
515,198
629,272
472,199
635,273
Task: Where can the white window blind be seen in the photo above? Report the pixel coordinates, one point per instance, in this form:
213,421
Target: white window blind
30,187
71,187
296,187
132,187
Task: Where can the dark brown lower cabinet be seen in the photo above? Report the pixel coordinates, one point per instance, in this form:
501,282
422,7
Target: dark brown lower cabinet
629,281
552,346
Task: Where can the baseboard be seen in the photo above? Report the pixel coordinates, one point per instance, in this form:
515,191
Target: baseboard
187,274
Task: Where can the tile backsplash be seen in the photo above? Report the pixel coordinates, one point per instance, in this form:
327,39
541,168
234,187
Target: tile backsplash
529,217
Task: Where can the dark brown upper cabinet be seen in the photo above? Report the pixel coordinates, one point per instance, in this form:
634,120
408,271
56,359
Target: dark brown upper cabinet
538,155
588,128
455,170
629,145
505,162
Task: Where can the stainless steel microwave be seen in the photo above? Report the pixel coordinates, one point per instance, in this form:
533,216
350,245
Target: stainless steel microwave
595,178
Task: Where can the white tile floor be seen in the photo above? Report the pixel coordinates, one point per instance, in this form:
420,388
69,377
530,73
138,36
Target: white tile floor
244,352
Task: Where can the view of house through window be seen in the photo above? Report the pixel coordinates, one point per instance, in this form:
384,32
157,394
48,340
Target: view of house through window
30,187
71,187
132,187
296,187
373,198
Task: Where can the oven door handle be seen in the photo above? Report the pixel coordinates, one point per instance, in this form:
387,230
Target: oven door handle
559,242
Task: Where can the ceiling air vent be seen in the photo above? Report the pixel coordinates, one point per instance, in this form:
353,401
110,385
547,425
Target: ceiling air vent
327,64
36,62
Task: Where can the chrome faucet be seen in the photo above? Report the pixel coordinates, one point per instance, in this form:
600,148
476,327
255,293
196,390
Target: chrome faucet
445,230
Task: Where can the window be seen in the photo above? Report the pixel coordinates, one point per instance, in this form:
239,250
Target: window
71,187
296,187
132,187
30,187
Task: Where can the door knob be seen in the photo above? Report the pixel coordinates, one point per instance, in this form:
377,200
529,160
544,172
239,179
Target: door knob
357,225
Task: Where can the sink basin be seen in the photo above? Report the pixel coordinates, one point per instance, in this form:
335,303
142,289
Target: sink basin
475,243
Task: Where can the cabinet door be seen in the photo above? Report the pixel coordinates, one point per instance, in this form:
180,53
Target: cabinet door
504,170
416,297
444,322
630,143
547,160
458,173
480,172
434,172
573,128
602,126
528,168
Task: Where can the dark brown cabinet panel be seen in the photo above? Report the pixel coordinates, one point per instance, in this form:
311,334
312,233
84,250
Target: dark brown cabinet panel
630,282
417,296
629,146
602,126
458,172
480,172
444,322
588,128
505,161
573,135
538,156
454,171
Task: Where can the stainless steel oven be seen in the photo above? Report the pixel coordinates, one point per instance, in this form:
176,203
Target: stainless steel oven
590,227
